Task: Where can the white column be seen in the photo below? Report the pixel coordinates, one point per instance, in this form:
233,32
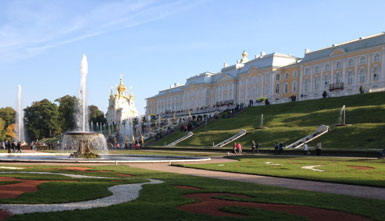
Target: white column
311,82
300,82
272,84
332,73
343,70
356,71
369,71
382,77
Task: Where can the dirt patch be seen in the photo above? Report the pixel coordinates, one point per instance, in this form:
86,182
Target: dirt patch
16,189
361,167
184,187
77,168
210,206
4,215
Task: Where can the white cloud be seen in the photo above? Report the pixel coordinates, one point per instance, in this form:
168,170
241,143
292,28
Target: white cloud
29,28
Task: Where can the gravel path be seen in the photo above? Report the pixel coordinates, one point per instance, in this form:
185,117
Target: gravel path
76,176
344,189
120,194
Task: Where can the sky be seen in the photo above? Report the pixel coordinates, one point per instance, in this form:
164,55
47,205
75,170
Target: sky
155,43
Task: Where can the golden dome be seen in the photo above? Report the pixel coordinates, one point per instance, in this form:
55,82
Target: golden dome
244,54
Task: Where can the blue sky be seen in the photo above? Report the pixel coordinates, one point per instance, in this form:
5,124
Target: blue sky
155,43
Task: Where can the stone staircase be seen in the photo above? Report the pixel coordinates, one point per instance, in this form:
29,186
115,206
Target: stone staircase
231,139
321,130
188,135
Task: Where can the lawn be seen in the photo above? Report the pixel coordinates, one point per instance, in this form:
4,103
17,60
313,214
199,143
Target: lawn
370,172
160,201
291,121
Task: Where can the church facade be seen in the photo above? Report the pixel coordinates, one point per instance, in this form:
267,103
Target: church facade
121,106
339,70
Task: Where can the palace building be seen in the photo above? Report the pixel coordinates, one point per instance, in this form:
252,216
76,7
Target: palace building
121,106
339,70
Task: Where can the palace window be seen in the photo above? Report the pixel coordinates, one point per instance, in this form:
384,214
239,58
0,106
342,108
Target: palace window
350,63
277,77
327,67
294,86
277,89
376,58
362,76
254,80
306,84
338,77
254,91
350,77
316,83
376,73
295,74
326,80
286,88
317,69
307,71
338,65
286,75
363,60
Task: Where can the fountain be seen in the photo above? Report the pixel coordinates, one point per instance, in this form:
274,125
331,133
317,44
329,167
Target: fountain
19,118
82,140
342,117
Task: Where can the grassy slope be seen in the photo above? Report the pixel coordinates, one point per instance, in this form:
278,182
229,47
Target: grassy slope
291,121
341,170
160,202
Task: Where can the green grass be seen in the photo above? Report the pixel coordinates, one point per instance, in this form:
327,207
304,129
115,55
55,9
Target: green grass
291,121
335,169
160,202
170,138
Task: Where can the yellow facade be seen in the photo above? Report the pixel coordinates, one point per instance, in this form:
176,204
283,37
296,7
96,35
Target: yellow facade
338,70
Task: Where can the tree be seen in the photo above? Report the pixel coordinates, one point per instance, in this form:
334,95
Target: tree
10,133
67,110
95,115
8,114
42,119
2,129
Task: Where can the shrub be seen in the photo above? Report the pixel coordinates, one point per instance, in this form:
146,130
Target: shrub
324,94
362,89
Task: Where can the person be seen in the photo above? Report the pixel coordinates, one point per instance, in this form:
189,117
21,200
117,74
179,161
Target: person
305,149
280,148
318,149
239,147
8,144
18,146
253,146
382,154
258,146
13,145
235,148
276,148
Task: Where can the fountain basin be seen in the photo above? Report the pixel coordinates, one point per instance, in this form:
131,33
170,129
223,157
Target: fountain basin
104,158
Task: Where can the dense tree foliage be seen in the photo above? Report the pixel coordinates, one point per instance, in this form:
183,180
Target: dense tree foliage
8,114
46,119
95,115
42,119
67,110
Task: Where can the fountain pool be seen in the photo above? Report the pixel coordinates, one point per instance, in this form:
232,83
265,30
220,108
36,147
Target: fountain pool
104,158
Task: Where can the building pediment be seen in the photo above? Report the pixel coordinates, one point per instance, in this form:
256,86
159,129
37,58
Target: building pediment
337,51
225,77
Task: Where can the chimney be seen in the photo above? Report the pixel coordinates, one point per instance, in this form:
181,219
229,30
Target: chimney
307,50
262,54
225,65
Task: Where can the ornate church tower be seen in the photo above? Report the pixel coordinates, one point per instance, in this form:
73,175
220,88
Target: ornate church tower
121,107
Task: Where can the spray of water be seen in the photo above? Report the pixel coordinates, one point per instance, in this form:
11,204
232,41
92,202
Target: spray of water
82,115
19,118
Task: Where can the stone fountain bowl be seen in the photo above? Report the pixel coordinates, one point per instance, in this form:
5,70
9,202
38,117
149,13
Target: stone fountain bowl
73,139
